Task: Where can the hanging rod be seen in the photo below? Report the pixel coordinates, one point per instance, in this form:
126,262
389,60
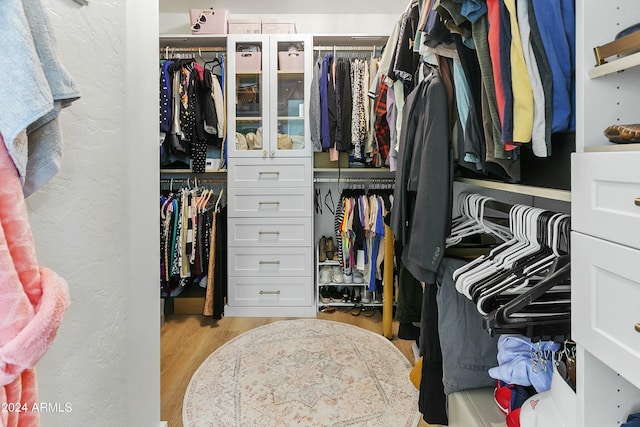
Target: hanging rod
192,49
363,179
346,48
192,181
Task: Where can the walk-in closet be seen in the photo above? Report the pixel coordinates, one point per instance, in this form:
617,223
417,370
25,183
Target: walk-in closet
417,213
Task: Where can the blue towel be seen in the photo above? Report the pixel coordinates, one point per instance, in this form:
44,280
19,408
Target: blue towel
519,362
34,87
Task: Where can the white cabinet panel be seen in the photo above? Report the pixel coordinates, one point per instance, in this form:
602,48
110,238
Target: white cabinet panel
270,232
270,203
606,302
267,173
258,292
606,196
270,261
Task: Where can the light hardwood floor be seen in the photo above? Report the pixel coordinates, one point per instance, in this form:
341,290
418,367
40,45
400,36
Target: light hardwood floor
187,340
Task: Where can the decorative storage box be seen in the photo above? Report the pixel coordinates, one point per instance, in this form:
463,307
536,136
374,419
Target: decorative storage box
208,21
245,26
278,27
248,61
291,61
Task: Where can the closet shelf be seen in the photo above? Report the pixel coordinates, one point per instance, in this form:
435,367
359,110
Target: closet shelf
188,171
193,40
619,64
547,193
611,148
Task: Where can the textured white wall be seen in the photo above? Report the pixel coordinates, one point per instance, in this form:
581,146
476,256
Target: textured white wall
89,223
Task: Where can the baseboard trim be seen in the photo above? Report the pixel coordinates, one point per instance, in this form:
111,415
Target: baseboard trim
163,424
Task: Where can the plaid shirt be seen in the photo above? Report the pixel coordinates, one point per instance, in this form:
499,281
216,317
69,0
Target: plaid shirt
381,125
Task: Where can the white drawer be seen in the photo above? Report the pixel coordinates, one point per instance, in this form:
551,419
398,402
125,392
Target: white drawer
270,261
269,172
606,196
269,203
605,280
270,232
257,291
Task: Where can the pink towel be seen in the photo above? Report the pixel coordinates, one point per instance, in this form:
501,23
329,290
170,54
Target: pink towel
33,300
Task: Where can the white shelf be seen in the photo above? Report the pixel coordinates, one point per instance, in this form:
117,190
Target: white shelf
193,40
178,171
612,148
547,193
619,64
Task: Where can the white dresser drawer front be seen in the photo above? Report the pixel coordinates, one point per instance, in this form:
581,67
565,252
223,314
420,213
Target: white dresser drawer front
270,203
257,291
270,261
268,173
270,232
606,302
606,196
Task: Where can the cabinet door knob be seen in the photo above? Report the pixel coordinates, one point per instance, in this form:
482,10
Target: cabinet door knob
638,201
638,327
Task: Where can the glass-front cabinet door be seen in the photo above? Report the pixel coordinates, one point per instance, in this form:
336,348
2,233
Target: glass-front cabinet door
247,95
268,87
290,84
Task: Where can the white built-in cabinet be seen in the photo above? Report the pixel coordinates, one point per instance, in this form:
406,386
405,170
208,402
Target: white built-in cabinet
605,243
270,176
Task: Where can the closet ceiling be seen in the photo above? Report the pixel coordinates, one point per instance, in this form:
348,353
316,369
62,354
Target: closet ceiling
286,6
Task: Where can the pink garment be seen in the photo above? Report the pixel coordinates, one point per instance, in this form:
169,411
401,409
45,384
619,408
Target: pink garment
33,300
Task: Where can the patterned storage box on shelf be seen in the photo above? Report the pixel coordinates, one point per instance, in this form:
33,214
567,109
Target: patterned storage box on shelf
208,21
275,26
245,26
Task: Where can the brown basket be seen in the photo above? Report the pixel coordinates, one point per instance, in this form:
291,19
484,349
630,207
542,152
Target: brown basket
248,94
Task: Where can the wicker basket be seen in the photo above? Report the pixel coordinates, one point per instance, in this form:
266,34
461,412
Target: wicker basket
248,94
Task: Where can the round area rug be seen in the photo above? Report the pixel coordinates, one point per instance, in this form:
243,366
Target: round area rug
306,372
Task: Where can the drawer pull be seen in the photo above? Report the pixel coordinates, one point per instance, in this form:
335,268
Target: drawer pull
268,232
269,262
638,201
638,327
268,203
269,173
269,292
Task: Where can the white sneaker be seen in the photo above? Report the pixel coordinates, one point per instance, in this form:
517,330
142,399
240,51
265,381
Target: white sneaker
336,275
325,275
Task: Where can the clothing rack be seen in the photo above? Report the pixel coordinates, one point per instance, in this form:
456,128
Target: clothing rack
167,50
191,182
358,180
346,48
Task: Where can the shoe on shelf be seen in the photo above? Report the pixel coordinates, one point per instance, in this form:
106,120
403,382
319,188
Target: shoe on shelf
325,275
336,274
322,249
335,294
348,277
346,294
623,134
325,294
365,296
330,248
358,277
355,296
